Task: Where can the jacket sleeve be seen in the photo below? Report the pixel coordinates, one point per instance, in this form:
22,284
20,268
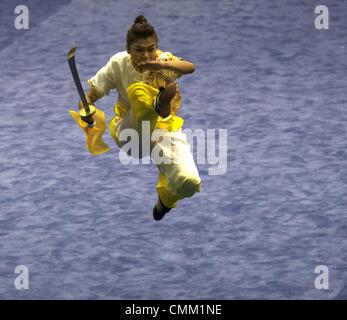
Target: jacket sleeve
105,79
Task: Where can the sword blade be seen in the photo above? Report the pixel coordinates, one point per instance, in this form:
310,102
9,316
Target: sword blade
72,64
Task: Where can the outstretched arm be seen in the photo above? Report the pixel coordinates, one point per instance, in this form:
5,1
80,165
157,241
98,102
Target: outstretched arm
181,66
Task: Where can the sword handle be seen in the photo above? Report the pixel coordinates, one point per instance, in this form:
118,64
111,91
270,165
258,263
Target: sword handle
88,117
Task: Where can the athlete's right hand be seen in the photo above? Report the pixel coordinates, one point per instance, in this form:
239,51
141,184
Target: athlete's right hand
80,104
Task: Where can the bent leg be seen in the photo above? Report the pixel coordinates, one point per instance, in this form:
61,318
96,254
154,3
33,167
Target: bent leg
141,97
179,179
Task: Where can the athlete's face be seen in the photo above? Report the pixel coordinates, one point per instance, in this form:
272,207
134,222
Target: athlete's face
143,50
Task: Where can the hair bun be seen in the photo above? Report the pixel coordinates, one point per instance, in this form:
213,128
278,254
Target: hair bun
140,19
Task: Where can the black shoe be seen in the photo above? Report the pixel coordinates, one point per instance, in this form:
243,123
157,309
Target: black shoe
160,210
163,100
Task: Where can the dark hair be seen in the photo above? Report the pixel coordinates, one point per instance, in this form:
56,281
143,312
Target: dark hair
140,29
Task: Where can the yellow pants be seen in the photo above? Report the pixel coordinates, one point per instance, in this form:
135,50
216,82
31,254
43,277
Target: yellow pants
178,179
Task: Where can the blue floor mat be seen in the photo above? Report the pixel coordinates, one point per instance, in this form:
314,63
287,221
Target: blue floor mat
83,225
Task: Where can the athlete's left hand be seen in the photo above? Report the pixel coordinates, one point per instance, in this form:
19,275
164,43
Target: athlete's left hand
153,65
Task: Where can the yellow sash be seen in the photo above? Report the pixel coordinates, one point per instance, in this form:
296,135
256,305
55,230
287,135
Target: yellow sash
94,144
